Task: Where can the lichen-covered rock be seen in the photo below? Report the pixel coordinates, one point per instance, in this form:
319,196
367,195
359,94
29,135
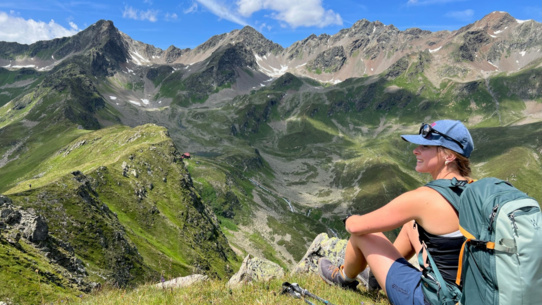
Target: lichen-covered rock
183,281
322,246
255,269
34,227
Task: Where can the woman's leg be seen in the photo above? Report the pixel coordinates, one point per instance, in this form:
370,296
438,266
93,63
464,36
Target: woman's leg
378,252
374,249
384,258
408,242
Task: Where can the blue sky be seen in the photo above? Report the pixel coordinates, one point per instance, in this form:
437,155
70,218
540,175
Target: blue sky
188,23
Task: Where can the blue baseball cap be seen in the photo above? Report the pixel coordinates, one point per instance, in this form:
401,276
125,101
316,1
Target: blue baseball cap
446,133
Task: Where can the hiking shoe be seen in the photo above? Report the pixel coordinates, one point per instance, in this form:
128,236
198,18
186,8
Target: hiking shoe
331,274
368,280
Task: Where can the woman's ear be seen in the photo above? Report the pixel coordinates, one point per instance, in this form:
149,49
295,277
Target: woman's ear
449,158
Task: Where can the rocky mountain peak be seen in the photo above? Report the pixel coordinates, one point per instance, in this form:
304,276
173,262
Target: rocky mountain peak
250,31
494,21
364,27
172,53
103,26
256,41
95,35
102,39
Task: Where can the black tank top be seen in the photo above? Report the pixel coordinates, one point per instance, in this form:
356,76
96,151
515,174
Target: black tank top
444,251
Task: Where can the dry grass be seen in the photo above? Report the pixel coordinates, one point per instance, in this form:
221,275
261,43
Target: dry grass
216,292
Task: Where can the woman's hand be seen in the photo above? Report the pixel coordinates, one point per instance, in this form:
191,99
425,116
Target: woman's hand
349,222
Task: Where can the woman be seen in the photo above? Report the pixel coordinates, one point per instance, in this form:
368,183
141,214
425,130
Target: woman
425,216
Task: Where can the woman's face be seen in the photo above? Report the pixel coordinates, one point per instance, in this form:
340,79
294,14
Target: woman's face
428,159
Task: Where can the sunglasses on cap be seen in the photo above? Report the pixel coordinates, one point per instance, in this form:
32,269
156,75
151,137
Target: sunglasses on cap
426,130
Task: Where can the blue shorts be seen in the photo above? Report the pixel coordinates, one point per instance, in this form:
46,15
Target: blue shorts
403,284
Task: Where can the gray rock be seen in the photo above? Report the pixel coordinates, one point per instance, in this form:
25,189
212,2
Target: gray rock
183,281
322,246
10,216
34,227
255,269
331,60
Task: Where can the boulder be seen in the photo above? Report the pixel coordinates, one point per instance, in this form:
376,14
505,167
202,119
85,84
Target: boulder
255,269
34,227
322,246
183,281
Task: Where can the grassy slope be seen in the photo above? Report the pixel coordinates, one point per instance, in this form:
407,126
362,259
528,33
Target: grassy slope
133,173
216,292
28,277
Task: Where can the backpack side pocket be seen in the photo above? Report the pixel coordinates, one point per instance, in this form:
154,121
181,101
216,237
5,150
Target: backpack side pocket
518,252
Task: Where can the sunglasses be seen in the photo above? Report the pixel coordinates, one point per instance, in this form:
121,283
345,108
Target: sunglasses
426,130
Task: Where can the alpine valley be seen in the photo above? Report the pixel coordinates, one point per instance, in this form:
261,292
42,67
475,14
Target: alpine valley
122,164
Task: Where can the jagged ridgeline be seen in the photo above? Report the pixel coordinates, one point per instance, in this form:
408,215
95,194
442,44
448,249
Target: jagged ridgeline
284,142
132,217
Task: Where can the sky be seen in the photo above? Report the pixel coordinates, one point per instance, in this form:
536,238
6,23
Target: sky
189,23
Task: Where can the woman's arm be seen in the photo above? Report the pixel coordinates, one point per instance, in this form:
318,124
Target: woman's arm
397,212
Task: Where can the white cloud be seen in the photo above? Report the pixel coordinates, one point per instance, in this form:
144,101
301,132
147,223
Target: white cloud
191,9
465,15
248,7
294,13
17,29
74,26
430,2
132,13
171,16
221,10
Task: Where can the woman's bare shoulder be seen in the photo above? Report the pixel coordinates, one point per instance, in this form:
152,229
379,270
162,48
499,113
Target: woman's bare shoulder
417,195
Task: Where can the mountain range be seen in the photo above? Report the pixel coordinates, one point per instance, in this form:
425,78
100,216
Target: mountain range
283,142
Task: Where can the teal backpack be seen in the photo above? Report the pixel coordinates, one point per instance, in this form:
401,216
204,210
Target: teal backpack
501,259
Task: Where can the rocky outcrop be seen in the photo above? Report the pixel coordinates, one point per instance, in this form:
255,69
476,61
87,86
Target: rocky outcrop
322,246
172,54
255,269
221,69
473,42
21,223
24,225
331,60
184,281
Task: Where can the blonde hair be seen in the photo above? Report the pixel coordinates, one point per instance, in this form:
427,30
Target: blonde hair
461,162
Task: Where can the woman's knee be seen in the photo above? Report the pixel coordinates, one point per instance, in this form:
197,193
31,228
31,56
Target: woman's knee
368,241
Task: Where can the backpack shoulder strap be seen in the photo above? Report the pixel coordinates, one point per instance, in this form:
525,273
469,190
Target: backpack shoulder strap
449,189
